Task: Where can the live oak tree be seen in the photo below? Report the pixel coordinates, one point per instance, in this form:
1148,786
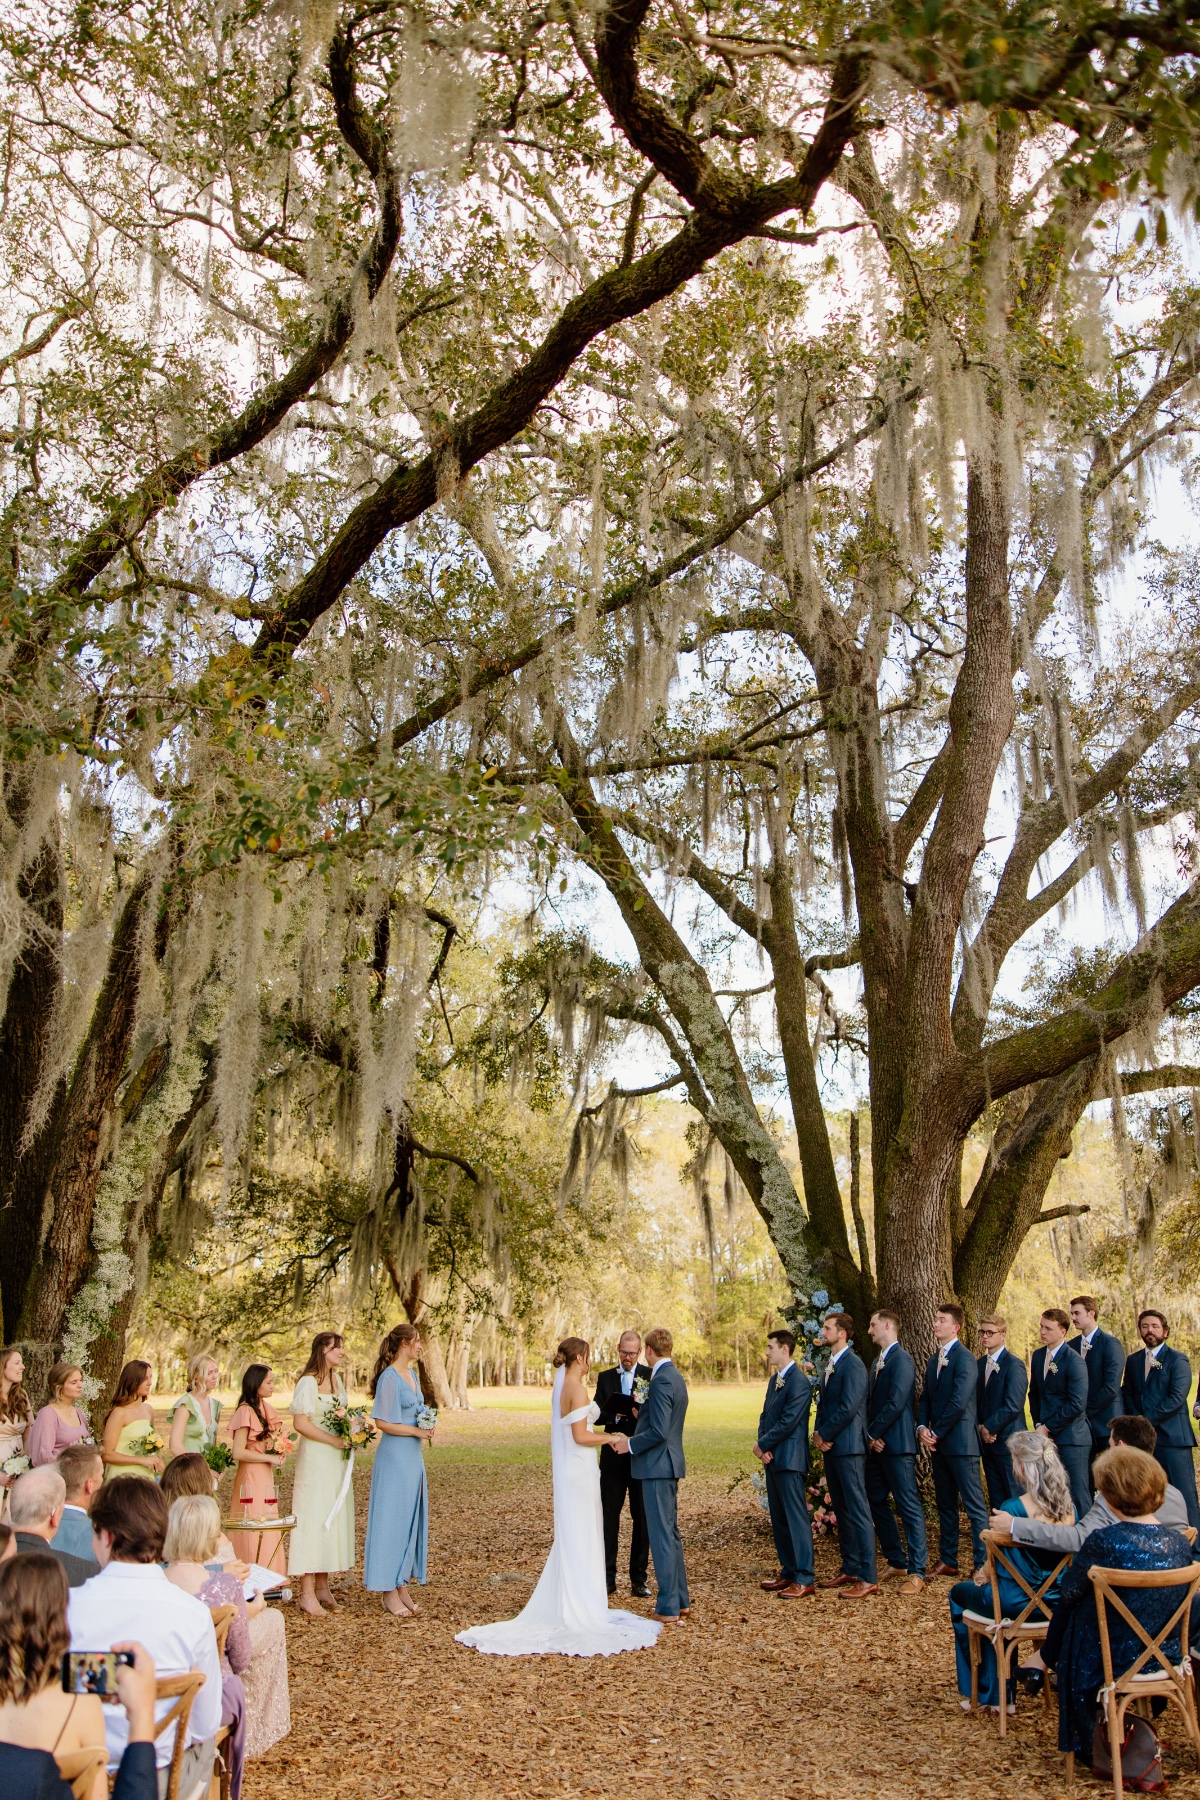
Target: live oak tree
273,288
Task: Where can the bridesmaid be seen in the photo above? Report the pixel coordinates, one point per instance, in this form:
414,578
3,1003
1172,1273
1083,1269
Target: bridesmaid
16,1414
257,1431
62,1420
129,1417
398,1516
316,1552
195,1418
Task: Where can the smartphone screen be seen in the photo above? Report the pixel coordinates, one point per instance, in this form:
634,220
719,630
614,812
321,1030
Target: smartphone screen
94,1671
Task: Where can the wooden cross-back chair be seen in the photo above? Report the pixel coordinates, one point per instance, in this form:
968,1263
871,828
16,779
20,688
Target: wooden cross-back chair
182,1689
1151,1674
80,1768
222,1618
1005,1633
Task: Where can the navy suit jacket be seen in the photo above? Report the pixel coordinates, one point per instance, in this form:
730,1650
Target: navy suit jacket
891,1397
783,1423
1105,1365
1000,1402
842,1407
656,1447
948,1402
1164,1398
1059,1401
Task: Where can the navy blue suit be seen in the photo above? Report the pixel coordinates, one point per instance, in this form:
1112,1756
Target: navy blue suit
948,1409
841,1422
1105,1365
656,1452
1059,1402
1000,1407
1163,1399
783,1430
891,1472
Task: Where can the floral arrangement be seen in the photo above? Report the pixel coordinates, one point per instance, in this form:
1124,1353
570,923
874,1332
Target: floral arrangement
427,1418
641,1390
353,1424
148,1444
219,1457
278,1442
16,1465
820,1502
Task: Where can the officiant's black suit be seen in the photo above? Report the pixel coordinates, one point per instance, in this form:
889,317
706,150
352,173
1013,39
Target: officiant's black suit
616,1479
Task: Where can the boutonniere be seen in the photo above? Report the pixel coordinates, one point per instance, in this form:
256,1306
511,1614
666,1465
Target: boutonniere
641,1390
778,1381
1051,1366
1154,1363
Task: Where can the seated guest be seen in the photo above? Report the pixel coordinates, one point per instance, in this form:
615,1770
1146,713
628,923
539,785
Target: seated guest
193,1529
1124,1429
1043,1492
1133,1483
131,1597
37,1717
190,1474
82,1469
62,1420
8,1542
35,1507
265,1680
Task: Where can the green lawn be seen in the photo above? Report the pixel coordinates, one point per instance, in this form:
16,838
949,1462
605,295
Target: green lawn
718,1436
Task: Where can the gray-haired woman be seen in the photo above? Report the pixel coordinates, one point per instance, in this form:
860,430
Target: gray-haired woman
1045,1494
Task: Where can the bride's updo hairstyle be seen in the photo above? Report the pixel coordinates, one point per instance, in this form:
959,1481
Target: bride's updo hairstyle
571,1350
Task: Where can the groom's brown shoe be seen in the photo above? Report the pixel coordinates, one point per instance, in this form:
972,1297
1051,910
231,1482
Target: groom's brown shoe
773,1586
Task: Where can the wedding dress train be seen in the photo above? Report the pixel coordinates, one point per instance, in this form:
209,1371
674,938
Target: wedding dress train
568,1612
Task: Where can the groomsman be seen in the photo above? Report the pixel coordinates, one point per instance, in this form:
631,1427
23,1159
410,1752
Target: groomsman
948,1431
618,1412
782,1449
840,1435
1000,1391
892,1455
1058,1397
1104,1359
1157,1382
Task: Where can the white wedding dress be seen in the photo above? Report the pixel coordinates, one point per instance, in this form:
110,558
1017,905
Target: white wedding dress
568,1612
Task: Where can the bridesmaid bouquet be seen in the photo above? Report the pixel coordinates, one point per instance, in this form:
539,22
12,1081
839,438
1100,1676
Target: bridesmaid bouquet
427,1418
16,1465
353,1424
278,1443
148,1444
219,1457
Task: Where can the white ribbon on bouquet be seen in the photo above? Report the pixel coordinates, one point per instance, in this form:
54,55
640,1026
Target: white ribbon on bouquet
347,1477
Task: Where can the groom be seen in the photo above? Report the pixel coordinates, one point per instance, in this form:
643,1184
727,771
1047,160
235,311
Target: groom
656,1449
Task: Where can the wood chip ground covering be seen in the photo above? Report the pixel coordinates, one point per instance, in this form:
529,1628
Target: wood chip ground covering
752,1698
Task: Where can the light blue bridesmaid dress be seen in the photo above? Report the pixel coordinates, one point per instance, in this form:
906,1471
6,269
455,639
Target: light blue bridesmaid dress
398,1515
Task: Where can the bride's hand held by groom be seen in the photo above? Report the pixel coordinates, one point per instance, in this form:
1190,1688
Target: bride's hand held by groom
619,1442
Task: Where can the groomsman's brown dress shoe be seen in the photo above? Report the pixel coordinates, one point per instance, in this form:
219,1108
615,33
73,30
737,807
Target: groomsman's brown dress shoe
859,1590
842,1580
914,1585
773,1586
941,1568
892,1573
793,1591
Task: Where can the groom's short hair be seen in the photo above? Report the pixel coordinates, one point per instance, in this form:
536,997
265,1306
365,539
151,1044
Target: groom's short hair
660,1341
783,1337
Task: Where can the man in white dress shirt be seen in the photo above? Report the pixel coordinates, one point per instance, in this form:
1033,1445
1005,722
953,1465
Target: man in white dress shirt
132,1598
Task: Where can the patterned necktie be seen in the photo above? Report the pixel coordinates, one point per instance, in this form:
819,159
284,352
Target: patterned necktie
1084,1348
990,1370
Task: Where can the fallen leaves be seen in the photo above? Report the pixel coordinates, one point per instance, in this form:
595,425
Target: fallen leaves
753,1697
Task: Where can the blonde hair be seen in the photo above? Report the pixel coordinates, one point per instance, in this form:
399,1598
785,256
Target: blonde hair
196,1363
1039,1469
996,1319
193,1529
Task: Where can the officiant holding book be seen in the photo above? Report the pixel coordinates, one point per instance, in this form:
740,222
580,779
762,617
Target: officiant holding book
616,1395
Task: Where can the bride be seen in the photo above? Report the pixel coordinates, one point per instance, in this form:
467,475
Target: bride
568,1612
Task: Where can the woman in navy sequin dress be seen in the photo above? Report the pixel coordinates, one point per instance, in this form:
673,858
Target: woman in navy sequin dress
1134,1486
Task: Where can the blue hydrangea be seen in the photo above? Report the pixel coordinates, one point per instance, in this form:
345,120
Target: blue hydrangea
811,1327
821,1297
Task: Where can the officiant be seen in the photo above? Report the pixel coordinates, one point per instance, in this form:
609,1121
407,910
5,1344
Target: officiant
616,1396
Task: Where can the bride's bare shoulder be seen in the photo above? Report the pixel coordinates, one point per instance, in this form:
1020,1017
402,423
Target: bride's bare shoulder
574,1395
